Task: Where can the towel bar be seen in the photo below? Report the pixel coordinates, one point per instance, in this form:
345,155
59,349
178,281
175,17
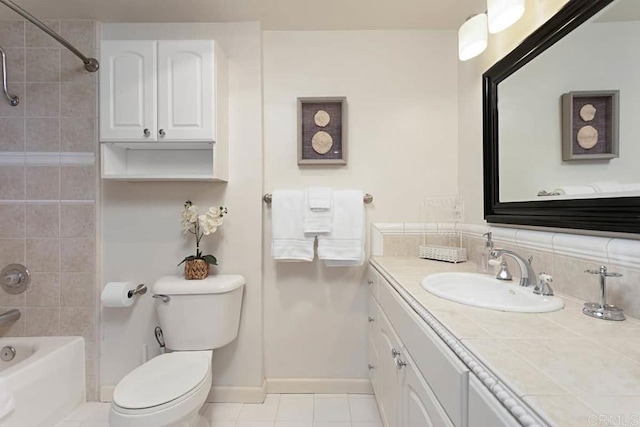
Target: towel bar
367,199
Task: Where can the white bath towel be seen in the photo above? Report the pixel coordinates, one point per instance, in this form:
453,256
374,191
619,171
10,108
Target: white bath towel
7,402
607,186
319,198
317,221
575,189
344,246
288,240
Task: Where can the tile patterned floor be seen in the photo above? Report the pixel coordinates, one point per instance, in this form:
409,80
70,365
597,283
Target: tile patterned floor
278,410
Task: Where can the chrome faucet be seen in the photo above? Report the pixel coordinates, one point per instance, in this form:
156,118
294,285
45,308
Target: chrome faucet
527,275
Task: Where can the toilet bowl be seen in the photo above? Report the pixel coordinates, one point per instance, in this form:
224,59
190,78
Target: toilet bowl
169,390
196,316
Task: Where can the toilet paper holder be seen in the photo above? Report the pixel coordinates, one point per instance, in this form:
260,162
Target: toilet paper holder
141,289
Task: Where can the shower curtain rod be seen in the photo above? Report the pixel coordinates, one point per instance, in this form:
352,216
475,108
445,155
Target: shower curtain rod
90,64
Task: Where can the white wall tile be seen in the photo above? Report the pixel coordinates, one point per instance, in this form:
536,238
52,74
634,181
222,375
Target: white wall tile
538,240
590,248
624,252
503,235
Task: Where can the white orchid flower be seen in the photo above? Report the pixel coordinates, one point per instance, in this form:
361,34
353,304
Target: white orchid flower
201,225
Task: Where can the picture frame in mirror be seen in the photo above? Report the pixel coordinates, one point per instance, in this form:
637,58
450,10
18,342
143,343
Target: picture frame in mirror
590,125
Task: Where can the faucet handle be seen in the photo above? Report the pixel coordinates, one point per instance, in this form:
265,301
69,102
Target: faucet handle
504,273
543,288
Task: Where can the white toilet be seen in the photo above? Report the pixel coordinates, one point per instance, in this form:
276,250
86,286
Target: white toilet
196,316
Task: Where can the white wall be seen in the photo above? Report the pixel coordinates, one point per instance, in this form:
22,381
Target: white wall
401,94
530,119
470,101
142,238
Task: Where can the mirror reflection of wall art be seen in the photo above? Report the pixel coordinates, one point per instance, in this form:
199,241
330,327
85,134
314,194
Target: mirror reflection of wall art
590,125
322,131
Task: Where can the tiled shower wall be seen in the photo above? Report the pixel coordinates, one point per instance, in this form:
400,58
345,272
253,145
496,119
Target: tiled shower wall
48,187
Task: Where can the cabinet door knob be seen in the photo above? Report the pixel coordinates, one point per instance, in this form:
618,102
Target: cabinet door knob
394,353
161,132
370,282
371,319
400,363
147,132
370,366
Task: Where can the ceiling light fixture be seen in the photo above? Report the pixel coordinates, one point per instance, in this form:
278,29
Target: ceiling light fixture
503,13
472,37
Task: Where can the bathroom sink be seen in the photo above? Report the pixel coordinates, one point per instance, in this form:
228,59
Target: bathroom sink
484,291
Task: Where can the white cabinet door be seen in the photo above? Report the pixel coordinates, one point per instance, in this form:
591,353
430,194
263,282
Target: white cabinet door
388,372
186,90
373,348
484,409
419,407
128,91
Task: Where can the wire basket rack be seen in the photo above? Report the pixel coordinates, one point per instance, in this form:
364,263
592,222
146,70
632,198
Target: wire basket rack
441,238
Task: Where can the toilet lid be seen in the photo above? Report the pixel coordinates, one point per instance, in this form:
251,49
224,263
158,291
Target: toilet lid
162,379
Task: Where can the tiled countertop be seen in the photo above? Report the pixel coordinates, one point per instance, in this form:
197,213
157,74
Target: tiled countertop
573,370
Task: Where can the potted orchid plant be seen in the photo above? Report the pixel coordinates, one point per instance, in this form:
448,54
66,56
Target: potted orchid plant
197,266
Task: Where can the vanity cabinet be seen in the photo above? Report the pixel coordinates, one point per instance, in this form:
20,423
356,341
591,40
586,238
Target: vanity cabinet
163,109
417,379
405,397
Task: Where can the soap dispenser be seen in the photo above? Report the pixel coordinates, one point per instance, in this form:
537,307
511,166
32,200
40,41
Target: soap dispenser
484,257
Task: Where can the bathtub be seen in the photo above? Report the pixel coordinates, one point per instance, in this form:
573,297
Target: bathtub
46,378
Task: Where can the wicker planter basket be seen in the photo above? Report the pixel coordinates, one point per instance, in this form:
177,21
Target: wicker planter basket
197,269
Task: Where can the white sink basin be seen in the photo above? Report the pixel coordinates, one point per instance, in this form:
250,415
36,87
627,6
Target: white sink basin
481,290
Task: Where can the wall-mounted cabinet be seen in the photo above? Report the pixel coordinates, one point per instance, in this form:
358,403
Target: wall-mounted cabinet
164,110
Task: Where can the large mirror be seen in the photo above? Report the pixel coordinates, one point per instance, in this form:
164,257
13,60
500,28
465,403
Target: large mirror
560,117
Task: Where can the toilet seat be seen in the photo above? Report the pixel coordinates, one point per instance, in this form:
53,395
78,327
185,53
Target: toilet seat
167,388
162,380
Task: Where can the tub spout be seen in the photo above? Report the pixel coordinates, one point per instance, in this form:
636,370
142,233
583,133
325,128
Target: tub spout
9,316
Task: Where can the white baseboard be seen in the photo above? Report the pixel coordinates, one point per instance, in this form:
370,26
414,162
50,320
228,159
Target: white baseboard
234,394
106,393
257,394
319,385
217,394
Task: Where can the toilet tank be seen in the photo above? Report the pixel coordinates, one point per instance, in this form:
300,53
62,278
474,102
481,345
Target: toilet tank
199,314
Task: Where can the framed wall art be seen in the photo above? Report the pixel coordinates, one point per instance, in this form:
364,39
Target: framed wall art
590,125
322,131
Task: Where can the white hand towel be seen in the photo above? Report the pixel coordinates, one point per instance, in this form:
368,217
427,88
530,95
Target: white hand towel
288,240
607,186
320,198
7,402
344,247
316,221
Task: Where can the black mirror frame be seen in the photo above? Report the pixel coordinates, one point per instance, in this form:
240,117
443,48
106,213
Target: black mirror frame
616,214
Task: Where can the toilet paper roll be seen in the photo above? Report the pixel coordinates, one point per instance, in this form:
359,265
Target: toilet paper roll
115,294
